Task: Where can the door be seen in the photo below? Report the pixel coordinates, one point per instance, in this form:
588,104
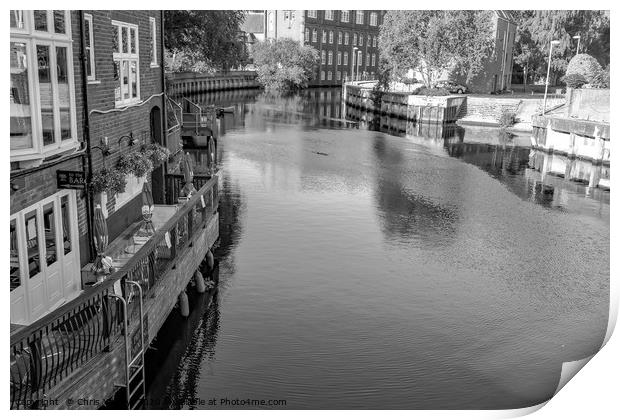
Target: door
52,259
19,307
32,250
70,248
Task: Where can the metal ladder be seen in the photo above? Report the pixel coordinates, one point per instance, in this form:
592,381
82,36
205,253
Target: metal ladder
135,379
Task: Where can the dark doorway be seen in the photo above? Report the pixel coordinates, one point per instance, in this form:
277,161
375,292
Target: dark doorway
157,137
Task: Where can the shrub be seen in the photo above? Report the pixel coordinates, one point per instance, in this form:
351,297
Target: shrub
424,91
136,163
601,79
507,119
585,65
575,80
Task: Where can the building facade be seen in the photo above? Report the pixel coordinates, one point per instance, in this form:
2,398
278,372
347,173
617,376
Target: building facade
347,40
81,82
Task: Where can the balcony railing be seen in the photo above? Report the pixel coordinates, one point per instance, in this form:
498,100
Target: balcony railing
57,345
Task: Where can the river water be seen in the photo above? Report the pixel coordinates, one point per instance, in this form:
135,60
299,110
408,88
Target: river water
429,268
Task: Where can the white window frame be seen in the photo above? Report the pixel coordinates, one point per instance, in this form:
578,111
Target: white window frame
346,59
312,14
323,57
329,75
373,60
128,57
346,38
330,58
331,37
344,16
324,37
91,38
31,37
339,58
373,19
153,35
339,37
322,75
307,35
329,15
315,35
359,17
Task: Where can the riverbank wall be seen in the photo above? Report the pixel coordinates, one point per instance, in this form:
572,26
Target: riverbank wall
581,133
189,83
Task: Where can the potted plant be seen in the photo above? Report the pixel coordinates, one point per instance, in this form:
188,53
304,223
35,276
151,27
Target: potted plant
136,163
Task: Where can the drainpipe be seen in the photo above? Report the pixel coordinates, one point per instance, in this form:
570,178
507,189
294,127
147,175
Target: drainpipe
164,97
86,133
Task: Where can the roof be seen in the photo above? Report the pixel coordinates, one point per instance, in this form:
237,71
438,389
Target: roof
254,23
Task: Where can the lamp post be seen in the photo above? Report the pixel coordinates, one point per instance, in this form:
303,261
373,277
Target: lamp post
578,38
554,42
353,58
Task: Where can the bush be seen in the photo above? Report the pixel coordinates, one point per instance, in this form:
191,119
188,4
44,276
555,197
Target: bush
585,65
424,91
574,80
601,79
507,119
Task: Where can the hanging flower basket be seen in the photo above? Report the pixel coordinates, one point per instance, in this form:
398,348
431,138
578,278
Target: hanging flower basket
110,180
136,163
156,153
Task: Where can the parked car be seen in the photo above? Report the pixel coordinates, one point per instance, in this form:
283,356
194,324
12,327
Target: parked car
451,86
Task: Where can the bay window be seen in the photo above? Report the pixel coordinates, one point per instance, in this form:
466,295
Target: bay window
126,63
42,96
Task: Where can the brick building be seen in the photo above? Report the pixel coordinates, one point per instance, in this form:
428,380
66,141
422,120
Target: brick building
61,108
347,40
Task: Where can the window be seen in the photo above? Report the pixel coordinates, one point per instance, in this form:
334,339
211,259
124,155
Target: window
337,75
314,35
322,57
329,75
329,15
330,58
307,35
126,63
153,49
369,42
344,75
89,47
346,58
15,275
42,96
339,37
367,60
344,16
339,58
374,41
373,19
331,37
346,38
359,17
286,16
324,37
322,75
373,60
355,39
312,14
361,39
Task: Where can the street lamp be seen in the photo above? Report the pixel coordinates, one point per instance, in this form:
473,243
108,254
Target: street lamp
353,58
578,38
554,42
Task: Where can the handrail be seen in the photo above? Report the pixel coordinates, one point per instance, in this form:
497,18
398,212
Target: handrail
118,275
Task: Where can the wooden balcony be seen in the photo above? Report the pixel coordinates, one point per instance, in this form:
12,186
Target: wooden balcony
50,356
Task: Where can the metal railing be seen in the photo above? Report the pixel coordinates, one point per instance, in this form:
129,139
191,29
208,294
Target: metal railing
195,117
57,345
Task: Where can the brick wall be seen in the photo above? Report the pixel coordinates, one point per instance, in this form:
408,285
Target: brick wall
105,119
487,109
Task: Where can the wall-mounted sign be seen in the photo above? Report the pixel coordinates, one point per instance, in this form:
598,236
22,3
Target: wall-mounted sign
74,180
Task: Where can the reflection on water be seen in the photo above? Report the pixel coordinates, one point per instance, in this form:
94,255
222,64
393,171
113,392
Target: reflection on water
359,269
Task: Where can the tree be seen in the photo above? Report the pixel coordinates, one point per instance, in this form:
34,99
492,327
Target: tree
435,41
284,64
537,28
211,36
